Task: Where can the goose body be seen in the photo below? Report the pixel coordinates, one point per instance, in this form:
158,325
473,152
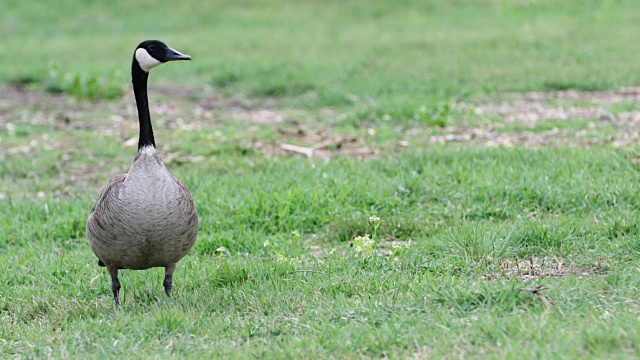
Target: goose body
145,218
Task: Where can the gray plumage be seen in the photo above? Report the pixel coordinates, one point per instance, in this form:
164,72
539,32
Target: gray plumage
143,219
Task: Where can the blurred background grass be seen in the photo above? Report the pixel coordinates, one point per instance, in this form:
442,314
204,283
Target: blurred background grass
333,53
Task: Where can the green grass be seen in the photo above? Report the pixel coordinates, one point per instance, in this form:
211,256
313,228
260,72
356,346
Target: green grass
280,269
464,211
395,54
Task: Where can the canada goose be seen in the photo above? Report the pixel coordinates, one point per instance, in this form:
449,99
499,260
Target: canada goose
145,218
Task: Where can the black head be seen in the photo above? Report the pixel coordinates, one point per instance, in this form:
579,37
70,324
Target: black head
151,53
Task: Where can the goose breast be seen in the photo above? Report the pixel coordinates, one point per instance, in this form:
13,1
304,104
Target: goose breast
144,219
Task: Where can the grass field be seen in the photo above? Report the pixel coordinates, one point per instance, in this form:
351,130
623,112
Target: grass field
495,141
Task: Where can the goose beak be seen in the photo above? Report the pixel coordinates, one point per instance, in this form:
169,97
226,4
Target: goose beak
175,55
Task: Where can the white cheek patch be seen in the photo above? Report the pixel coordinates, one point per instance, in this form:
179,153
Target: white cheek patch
146,61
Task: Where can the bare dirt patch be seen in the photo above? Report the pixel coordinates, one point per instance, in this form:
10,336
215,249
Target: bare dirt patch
559,105
535,269
317,144
535,107
539,268
507,123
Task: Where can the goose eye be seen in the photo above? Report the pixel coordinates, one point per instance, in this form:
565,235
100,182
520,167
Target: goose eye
152,47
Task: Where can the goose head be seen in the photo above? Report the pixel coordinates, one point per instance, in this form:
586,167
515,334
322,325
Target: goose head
151,53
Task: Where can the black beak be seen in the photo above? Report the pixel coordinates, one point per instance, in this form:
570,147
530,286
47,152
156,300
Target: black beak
175,55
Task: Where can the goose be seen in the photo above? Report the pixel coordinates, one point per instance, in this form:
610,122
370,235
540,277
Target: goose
145,218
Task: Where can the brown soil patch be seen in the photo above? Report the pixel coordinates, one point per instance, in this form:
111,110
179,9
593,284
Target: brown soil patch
538,268
317,144
558,105
527,109
201,109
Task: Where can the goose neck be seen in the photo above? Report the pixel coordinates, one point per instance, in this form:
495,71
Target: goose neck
139,78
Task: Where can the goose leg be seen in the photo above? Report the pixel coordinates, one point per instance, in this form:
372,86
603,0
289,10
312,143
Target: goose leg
115,287
168,279
115,283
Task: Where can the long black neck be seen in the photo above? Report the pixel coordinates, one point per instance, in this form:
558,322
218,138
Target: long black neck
139,78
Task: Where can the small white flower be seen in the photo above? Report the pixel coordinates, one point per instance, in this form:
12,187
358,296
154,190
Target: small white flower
222,250
363,243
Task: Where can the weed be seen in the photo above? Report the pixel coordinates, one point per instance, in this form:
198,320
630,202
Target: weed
366,245
436,115
82,86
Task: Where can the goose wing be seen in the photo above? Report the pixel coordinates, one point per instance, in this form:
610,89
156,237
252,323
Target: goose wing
94,228
192,214
108,193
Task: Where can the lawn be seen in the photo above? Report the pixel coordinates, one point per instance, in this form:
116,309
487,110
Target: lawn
414,179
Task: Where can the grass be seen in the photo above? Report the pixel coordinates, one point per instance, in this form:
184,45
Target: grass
396,55
284,266
463,210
